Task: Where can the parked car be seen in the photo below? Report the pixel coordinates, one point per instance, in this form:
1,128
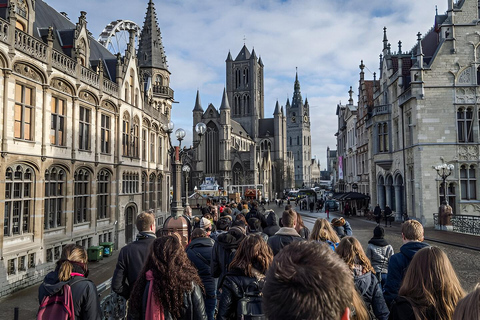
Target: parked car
332,205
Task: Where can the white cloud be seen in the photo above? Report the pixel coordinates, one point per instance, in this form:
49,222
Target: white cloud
325,39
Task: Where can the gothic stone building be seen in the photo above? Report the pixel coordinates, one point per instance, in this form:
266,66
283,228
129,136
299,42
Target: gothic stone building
83,149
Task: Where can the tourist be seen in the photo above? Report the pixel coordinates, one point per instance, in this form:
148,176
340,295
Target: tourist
72,269
388,216
246,274
255,227
272,225
286,234
430,289
342,227
377,212
469,307
302,230
379,252
323,232
168,286
351,251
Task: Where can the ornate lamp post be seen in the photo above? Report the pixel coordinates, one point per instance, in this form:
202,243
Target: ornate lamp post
445,211
176,223
444,170
186,171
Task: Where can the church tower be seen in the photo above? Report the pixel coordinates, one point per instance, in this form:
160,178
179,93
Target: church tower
298,135
245,89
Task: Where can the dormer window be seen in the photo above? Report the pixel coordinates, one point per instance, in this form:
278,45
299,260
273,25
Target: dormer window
21,11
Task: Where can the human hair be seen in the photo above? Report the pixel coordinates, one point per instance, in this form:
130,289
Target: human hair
469,307
173,275
289,218
241,217
254,224
309,281
431,282
288,207
323,231
73,259
199,233
188,211
412,230
300,223
351,251
253,252
144,221
227,211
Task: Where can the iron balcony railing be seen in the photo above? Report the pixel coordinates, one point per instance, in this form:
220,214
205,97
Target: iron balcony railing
463,223
113,306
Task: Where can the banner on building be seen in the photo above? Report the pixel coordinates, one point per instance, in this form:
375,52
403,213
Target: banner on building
340,168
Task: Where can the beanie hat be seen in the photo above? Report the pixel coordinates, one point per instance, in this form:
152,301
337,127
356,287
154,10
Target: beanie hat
378,232
205,224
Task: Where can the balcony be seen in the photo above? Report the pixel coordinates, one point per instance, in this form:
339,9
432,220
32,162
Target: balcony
162,92
382,109
405,96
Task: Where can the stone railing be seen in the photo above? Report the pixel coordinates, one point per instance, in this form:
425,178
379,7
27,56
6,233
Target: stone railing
110,87
30,45
3,30
163,91
383,109
462,223
404,97
89,76
62,62
113,306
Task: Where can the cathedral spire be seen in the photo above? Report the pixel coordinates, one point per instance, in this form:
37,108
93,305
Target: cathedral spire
225,104
277,109
198,103
297,100
150,49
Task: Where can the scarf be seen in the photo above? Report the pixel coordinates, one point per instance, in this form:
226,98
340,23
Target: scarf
154,310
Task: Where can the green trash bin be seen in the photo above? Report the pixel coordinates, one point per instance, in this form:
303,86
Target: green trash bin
95,253
107,248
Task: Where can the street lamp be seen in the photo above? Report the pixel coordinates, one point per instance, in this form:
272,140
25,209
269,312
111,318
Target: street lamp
444,170
186,171
445,211
176,223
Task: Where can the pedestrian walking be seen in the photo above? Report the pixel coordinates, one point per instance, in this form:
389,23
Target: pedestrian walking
302,230
377,212
388,216
342,227
323,232
379,252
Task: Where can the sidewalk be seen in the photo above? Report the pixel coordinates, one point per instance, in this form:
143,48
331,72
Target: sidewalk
27,299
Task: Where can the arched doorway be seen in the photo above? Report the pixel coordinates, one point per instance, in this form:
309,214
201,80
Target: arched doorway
381,198
130,214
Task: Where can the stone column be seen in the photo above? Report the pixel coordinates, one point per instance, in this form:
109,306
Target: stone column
398,202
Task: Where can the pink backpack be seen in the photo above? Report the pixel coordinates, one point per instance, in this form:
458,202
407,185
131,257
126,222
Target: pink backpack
58,306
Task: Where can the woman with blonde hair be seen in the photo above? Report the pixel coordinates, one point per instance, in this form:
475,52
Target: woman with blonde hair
302,230
246,274
430,288
469,307
72,269
323,232
366,283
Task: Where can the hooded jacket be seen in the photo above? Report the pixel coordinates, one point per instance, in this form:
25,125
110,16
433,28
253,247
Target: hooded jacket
272,225
342,227
130,264
397,267
223,252
199,251
369,288
84,293
379,252
282,238
254,213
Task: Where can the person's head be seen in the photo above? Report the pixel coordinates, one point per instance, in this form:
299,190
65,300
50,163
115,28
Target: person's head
323,231
288,207
73,259
338,222
199,233
351,251
431,281
253,253
378,232
145,222
224,223
206,225
412,230
299,224
308,281
241,217
227,211
289,219
188,211
469,307
172,276
254,225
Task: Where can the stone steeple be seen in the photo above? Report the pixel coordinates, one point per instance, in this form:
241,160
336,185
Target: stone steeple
150,49
297,101
225,104
198,103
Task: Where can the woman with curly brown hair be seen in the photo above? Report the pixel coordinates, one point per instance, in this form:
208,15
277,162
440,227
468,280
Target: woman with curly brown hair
323,232
246,272
168,286
430,289
351,251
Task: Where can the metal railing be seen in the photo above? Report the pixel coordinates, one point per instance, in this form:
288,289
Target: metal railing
467,224
113,306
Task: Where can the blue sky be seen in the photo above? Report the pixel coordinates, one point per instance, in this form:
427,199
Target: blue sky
325,39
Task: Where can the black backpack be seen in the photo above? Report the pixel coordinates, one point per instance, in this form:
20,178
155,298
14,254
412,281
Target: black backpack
249,307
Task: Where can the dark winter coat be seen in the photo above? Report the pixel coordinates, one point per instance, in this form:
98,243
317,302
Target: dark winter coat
254,213
304,233
401,309
272,225
223,252
282,238
397,267
261,234
377,212
234,285
194,306
371,292
199,251
84,293
130,264
387,212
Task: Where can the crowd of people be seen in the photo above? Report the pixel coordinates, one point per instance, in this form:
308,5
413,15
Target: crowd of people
243,264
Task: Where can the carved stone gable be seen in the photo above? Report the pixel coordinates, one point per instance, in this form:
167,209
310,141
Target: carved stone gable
107,105
87,96
27,71
62,86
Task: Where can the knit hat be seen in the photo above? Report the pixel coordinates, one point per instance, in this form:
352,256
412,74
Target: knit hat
378,232
205,224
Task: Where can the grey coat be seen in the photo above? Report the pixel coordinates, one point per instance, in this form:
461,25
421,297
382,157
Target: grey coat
379,256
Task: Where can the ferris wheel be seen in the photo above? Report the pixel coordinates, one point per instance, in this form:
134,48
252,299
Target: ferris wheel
116,35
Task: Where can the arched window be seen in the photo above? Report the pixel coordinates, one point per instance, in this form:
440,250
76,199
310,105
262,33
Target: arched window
135,138
103,193
19,196
237,78
144,191
211,148
468,182
159,192
245,77
158,80
464,123
55,187
238,174
131,84
82,196
151,191
126,135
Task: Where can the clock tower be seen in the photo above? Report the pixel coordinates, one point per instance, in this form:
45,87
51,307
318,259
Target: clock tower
299,140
